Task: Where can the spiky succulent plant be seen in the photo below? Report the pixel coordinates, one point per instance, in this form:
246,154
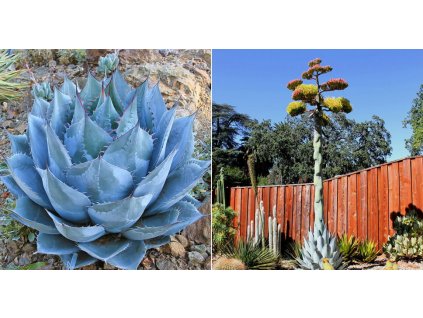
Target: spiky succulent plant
104,173
108,64
318,246
42,90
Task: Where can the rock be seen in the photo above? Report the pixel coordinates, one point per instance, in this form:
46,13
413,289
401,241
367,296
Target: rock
7,124
195,258
202,249
108,266
28,248
174,248
165,264
24,260
183,240
200,231
21,128
147,263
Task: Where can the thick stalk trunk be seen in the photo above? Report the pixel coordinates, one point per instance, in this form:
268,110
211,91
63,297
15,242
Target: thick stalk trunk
318,182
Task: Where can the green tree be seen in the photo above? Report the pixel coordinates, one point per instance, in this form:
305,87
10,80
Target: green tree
229,128
414,119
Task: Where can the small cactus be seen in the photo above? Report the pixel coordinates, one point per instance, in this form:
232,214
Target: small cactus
225,263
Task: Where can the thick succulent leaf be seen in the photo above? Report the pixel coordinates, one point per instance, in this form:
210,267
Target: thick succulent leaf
105,248
78,111
84,140
162,136
131,257
182,138
132,152
153,183
55,244
69,203
118,91
106,116
154,226
95,138
77,260
151,106
178,184
61,111
33,216
192,200
22,169
40,107
143,115
118,216
68,88
157,242
58,157
19,144
91,91
100,180
74,233
129,119
12,186
37,140
170,222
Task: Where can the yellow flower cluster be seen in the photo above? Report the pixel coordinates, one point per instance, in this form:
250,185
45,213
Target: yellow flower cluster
305,92
346,105
296,108
334,104
337,104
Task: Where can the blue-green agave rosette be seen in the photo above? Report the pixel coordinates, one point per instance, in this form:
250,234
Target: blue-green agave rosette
104,173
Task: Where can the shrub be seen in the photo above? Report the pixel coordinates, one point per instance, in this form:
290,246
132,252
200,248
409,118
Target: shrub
253,256
222,224
407,242
224,263
367,251
71,56
348,246
9,88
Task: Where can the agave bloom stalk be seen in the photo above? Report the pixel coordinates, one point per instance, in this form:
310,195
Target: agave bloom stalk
320,244
104,173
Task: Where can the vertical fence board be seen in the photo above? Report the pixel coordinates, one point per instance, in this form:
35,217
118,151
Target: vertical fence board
359,204
305,222
364,210
244,210
266,199
405,185
288,211
341,207
325,201
417,182
372,201
394,194
383,188
352,205
331,214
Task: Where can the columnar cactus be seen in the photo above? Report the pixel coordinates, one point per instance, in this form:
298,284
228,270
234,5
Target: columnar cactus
312,95
104,173
274,233
220,189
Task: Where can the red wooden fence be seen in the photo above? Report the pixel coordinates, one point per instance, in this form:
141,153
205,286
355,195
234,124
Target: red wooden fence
360,203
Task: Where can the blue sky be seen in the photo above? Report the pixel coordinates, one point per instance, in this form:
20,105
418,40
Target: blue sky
381,82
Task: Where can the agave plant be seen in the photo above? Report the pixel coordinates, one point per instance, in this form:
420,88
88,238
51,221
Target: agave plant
107,64
104,173
42,90
318,246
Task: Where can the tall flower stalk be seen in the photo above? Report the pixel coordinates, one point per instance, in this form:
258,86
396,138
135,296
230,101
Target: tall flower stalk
308,98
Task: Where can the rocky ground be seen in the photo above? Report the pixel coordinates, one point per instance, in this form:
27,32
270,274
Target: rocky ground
184,76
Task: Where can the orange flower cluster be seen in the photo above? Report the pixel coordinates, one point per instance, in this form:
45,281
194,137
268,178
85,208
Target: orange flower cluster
292,85
316,70
334,84
314,62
